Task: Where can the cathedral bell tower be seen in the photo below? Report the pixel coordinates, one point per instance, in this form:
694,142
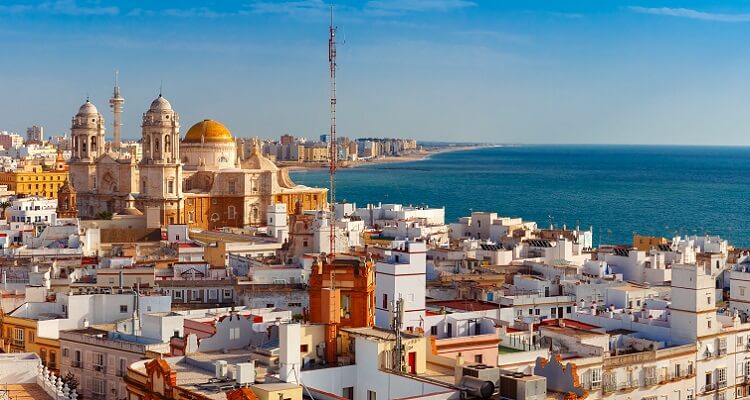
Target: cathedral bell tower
87,133
161,167
66,201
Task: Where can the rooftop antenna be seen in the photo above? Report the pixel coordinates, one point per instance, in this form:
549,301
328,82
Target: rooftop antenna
161,83
333,154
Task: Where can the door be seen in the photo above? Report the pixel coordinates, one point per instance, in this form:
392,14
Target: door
560,312
412,362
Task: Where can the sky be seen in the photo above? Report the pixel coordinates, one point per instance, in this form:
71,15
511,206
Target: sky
531,71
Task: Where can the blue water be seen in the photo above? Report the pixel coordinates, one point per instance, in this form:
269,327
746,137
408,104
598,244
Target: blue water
619,190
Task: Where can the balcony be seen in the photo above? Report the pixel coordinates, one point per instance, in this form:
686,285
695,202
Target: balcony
76,364
722,351
709,387
721,384
122,372
650,381
100,368
614,386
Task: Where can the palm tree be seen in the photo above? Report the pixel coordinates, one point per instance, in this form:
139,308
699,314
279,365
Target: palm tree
4,205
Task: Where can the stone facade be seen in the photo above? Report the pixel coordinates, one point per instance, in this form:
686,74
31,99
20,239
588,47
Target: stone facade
199,180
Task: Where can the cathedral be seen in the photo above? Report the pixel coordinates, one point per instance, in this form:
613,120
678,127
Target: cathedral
201,179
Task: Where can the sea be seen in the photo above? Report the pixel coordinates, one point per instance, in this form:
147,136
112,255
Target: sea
617,190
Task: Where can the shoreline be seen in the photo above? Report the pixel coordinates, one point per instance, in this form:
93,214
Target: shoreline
419,156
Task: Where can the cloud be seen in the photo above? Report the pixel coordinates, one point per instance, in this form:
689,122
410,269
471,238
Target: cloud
70,7
291,8
60,7
691,14
391,7
195,12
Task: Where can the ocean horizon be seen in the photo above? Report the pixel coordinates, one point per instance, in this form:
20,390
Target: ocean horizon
619,190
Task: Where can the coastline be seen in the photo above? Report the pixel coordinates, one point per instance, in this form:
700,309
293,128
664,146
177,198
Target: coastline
417,156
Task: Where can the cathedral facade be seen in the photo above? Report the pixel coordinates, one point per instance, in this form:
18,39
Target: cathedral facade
201,179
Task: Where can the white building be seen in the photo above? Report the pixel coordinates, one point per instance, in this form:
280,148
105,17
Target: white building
401,275
381,214
33,210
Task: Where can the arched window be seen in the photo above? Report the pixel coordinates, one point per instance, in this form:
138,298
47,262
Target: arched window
231,212
156,146
222,159
93,143
166,143
214,217
66,204
255,214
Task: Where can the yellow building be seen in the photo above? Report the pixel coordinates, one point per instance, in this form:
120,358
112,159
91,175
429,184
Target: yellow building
645,243
19,335
316,154
35,180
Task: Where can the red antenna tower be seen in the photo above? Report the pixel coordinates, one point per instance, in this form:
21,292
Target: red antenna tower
332,150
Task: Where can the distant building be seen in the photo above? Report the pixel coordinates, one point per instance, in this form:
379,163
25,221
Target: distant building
34,134
10,140
287,139
35,180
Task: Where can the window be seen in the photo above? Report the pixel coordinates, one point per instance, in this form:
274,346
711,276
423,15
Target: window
569,310
385,301
177,294
227,293
303,348
433,330
348,393
371,395
123,308
708,299
170,186
234,333
709,324
18,337
531,311
99,387
739,340
43,356
191,216
52,360
596,378
77,359
721,376
31,336
269,305
742,290
123,369
65,353
231,212
232,186
478,358
213,294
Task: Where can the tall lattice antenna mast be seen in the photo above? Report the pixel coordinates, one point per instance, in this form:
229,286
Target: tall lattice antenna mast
332,151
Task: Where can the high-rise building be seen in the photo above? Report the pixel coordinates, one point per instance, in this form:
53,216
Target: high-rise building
34,133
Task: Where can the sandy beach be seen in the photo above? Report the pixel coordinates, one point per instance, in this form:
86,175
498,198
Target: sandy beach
416,156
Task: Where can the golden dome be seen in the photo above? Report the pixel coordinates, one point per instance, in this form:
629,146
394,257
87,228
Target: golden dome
208,131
